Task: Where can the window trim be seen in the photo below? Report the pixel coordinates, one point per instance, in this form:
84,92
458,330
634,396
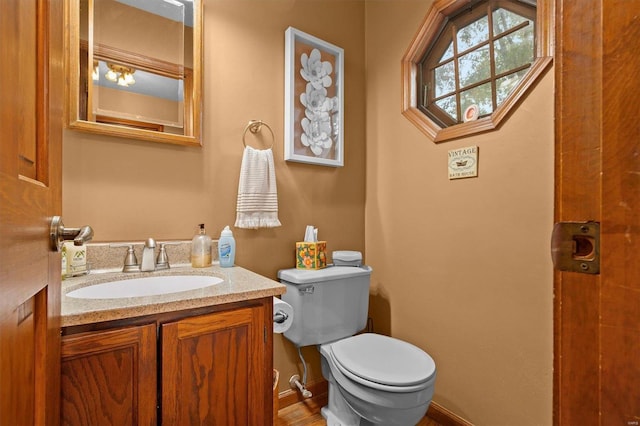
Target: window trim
429,30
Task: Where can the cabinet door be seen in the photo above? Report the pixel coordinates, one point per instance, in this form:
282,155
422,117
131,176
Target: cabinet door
109,377
213,369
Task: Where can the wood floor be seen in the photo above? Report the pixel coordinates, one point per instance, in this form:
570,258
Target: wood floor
307,413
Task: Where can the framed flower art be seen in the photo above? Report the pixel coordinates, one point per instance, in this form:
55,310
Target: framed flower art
314,100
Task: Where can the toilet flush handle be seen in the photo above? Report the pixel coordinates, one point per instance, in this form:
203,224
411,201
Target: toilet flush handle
308,289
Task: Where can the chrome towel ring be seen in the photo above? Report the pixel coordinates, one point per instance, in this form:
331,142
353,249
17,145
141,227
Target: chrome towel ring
254,127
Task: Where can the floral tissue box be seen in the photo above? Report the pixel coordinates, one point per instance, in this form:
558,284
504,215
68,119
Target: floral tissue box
311,255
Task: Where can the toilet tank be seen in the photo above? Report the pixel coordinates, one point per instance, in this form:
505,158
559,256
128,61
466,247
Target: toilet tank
328,304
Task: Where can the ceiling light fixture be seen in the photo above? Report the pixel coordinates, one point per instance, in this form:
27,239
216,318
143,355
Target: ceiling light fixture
121,75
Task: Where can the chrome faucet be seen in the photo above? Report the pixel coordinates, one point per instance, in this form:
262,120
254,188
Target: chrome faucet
162,261
148,262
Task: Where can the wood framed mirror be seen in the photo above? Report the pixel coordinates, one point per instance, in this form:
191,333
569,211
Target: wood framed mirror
135,69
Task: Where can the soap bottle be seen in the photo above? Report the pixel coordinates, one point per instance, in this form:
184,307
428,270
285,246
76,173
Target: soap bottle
64,262
226,248
201,249
76,259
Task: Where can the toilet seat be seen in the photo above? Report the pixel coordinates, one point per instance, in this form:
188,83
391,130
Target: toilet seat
382,362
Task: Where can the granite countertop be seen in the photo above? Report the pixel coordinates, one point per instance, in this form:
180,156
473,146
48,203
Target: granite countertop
239,285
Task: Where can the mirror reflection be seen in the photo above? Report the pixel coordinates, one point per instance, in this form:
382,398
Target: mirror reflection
137,68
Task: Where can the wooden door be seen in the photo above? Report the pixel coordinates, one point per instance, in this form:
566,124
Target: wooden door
217,369
31,101
597,317
109,377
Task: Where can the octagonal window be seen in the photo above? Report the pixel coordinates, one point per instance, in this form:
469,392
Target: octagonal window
471,62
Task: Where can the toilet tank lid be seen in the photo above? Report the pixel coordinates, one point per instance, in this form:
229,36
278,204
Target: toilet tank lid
307,276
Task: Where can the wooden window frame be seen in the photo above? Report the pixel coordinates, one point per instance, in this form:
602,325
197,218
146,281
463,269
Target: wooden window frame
430,29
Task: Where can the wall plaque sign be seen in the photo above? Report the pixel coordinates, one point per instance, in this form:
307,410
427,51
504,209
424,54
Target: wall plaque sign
463,162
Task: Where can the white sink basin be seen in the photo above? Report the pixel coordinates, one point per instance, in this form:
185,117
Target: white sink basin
148,286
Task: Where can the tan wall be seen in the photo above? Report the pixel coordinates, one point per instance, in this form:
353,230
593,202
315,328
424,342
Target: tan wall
131,190
461,268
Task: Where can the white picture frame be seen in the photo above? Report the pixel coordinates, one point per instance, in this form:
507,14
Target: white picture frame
314,100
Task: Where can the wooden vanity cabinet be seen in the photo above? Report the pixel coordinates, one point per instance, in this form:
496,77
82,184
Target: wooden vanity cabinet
213,369
214,366
109,377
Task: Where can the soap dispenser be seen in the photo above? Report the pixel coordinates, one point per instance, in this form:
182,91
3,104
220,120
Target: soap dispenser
201,249
226,248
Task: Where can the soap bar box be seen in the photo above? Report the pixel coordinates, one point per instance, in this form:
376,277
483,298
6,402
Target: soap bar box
311,255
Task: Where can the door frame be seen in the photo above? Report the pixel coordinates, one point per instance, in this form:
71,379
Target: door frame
596,317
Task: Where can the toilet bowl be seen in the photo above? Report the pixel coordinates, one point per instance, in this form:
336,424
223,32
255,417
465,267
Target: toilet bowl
375,379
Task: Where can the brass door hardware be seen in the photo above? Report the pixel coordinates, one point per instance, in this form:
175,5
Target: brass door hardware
575,247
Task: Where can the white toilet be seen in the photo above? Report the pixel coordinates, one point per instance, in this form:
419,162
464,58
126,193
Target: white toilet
373,379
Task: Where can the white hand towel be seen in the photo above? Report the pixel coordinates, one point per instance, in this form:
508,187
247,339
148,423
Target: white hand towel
257,193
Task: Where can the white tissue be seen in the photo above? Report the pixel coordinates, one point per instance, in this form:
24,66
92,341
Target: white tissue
311,234
308,234
282,306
